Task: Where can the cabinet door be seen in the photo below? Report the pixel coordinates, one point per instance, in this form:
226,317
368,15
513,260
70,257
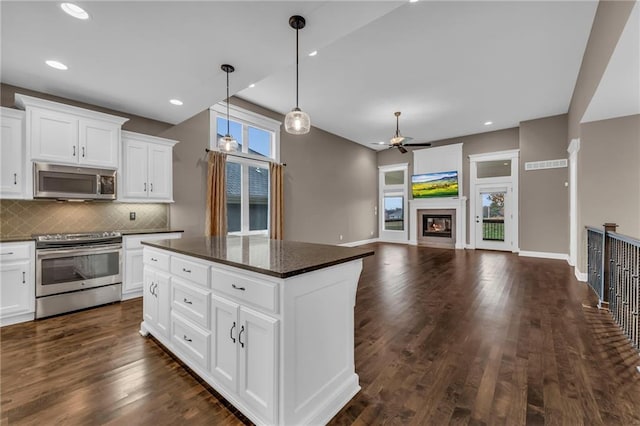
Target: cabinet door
16,295
164,302
54,136
224,342
135,169
150,298
160,172
134,271
99,143
11,163
258,367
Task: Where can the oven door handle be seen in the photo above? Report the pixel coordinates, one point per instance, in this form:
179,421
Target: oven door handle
46,254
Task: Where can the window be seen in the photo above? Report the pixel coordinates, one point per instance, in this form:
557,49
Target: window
247,171
393,202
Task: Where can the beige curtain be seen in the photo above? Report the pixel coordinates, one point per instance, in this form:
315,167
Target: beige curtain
216,216
276,201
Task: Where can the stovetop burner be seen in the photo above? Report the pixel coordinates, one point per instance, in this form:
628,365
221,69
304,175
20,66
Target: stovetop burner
85,236
77,238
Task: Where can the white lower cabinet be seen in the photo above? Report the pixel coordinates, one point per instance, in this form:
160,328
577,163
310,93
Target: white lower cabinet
279,350
132,277
156,306
17,282
243,354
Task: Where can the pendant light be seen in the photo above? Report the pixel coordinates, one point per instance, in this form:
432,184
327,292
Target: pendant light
227,143
297,122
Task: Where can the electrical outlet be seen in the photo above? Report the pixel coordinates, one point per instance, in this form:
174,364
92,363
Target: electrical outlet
340,237
132,215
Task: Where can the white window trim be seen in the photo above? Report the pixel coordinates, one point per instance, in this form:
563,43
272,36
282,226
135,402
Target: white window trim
248,118
393,190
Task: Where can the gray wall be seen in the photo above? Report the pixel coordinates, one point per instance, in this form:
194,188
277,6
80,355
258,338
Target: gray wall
189,174
544,198
136,123
609,21
330,183
481,143
609,178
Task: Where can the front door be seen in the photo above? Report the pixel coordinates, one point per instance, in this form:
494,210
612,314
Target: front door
493,217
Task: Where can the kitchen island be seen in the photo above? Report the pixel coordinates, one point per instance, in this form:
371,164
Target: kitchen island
267,323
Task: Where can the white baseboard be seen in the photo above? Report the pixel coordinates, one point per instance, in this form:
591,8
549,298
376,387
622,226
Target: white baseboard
469,247
580,276
359,243
544,255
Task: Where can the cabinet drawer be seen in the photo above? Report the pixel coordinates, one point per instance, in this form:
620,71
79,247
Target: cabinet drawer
263,294
190,301
197,273
135,241
190,340
14,251
156,259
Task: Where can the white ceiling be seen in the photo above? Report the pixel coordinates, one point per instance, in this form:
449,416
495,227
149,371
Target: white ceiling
448,66
618,93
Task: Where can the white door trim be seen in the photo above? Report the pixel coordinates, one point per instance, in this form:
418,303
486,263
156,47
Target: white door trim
574,148
393,236
514,156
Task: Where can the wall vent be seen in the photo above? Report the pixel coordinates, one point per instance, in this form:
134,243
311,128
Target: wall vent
547,164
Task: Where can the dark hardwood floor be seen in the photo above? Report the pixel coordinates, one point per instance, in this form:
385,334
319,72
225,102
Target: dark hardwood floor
442,337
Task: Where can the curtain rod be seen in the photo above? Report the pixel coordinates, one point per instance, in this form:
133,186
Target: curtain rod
242,156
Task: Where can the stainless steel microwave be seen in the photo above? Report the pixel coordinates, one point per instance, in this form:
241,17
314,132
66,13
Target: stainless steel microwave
71,182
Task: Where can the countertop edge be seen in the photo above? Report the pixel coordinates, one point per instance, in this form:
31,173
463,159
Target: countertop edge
289,274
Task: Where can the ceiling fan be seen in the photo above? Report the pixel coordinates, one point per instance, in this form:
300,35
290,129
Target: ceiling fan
399,141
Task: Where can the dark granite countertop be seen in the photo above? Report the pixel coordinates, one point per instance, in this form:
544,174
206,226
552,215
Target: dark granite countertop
282,259
149,231
16,238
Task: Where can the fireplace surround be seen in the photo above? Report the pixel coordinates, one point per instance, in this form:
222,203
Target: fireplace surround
456,207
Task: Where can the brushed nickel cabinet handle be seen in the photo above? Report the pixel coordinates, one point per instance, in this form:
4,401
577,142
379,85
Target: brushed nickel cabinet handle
74,150
24,277
83,152
237,287
145,187
15,178
151,185
188,271
184,336
187,301
7,253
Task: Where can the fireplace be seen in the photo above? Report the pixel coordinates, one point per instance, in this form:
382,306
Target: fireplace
435,225
437,228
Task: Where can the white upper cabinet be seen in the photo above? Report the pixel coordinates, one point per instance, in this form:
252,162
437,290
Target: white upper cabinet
147,168
58,133
12,182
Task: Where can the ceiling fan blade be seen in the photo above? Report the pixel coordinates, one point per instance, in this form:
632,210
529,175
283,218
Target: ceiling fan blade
401,149
418,144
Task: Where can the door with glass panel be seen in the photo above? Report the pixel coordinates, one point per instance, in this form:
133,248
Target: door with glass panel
393,203
493,217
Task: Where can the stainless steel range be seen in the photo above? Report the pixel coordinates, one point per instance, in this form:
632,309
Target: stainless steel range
77,271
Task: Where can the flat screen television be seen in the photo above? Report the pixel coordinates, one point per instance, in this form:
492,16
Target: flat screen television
431,185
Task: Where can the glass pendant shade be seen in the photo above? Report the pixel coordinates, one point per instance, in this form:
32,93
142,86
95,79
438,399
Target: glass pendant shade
227,144
297,122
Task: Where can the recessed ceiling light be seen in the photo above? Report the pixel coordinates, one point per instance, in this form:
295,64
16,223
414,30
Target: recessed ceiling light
488,123
413,1
176,102
314,53
382,143
57,65
252,85
74,10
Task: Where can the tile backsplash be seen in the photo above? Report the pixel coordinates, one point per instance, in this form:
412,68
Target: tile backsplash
19,218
